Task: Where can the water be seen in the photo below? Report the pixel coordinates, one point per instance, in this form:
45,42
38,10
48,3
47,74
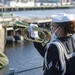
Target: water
41,13
23,55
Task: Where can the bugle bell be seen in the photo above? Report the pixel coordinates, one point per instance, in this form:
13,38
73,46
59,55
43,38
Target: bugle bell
44,34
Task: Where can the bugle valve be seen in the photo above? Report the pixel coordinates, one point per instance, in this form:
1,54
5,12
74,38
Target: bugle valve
44,35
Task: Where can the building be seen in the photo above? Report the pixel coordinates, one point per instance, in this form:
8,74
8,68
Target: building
23,3
29,3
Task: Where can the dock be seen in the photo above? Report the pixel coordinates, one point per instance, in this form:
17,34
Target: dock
6,26
8,8
13,28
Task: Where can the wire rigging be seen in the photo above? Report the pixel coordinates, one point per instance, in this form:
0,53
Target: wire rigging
13,72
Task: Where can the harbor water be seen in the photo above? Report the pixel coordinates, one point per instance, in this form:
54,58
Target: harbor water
41,13
23,57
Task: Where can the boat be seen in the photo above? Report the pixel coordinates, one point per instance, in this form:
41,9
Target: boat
42,22
21,27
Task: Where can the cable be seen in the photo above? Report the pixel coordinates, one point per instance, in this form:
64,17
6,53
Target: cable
12,73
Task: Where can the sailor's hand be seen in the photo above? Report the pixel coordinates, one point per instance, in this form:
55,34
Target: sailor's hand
33,33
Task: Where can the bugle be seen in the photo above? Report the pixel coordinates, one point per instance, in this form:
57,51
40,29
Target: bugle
44,34
47,34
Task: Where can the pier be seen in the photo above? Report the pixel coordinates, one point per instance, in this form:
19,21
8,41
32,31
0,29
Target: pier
8,8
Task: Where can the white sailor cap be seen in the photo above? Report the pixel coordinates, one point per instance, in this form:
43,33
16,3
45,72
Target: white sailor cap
62,17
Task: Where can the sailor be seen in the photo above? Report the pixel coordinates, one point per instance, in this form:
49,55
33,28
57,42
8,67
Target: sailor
59,56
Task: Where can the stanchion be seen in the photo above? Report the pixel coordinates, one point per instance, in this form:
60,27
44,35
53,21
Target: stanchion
12,71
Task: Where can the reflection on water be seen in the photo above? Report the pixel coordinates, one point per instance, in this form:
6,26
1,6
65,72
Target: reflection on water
22,56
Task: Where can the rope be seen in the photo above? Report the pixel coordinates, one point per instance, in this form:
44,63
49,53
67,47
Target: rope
24,70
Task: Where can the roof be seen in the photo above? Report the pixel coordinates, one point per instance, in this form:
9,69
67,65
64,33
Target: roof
37,20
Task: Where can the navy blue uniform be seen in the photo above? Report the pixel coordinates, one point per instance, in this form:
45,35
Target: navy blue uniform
53,58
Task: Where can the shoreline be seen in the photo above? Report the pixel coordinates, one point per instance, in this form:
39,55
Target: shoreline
6,9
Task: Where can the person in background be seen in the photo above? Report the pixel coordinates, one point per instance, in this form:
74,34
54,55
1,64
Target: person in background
61,49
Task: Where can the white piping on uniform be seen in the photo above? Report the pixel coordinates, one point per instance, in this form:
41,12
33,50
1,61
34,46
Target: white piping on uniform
62,55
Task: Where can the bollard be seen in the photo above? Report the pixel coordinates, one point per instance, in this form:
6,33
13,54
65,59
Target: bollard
12,71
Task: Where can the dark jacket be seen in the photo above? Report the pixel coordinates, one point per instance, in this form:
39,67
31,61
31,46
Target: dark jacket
53,56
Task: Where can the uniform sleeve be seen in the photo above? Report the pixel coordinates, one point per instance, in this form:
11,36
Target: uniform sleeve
3,60
53,60
40,48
